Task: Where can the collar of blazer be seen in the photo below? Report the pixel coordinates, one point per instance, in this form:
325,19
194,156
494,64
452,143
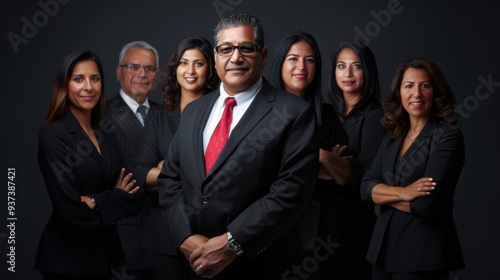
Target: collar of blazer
83,141
259,108
360,114
418,144
124,116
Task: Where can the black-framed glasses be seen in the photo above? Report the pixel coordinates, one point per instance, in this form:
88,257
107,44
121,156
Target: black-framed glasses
245,49
134,68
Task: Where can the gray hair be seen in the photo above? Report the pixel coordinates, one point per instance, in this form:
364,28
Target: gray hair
241,19
137,45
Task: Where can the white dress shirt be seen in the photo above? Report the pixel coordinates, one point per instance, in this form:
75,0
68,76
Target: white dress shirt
243,101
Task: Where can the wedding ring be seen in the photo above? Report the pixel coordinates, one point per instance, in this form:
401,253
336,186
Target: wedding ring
418,190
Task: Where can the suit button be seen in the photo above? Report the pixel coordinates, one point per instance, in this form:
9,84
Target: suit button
204,199
315,203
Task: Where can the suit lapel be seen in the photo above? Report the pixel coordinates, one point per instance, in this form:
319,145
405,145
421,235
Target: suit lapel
418,143
127,119
83,141
390,161
257,110
199,127
350,121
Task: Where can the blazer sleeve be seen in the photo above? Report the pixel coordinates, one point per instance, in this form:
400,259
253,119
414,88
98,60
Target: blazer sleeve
444,164
173,210
270,216
55,151
147,155
372,133
374,175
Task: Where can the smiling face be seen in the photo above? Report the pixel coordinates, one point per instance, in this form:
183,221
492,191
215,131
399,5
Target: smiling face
84,88
138,84
417,94
192,71
298,68
349,73
238,73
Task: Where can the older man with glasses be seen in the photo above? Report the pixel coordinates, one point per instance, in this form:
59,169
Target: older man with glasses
126,114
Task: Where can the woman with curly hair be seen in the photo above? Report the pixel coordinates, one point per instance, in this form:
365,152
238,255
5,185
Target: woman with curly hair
413,178
190,75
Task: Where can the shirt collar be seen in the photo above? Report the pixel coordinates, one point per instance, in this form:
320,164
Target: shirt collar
241,97
132,104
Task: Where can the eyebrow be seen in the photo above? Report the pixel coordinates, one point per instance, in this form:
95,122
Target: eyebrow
340,61
198,59
246,42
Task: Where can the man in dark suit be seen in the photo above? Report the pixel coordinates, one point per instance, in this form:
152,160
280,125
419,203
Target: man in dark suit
230,207
127,112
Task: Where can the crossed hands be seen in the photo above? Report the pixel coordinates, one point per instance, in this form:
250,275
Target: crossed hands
123,183
325,156
207,256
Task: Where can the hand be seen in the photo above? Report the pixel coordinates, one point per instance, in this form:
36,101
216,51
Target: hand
338,150
88,201
124,184
160,164
421,187
212,257
192,243
323,173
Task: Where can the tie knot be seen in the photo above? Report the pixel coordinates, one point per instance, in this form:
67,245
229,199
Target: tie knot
142,109
231,102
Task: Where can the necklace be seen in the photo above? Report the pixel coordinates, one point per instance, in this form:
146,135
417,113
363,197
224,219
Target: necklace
411,138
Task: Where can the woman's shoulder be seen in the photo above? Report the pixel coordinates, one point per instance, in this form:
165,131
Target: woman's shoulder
444,129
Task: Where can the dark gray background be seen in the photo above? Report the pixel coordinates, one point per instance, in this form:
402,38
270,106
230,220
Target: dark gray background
463,39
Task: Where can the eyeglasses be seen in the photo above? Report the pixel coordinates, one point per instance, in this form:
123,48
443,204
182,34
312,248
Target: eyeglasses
134,68
245,49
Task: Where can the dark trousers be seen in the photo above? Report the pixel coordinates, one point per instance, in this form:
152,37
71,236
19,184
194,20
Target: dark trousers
380,274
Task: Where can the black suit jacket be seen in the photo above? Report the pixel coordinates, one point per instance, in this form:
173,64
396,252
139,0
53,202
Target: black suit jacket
129,131
259,184
426,239
159,130
76,239
355,219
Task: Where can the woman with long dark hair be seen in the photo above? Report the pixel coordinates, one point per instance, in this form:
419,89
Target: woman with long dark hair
190,74
354,91
296,68
414,176
84,175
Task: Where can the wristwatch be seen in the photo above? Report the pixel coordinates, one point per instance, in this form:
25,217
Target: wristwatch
233,245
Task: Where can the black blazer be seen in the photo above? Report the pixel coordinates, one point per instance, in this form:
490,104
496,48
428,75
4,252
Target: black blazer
126,126
355,219
129,131
259,184
365,131
319,218
159,130
426,239
76,239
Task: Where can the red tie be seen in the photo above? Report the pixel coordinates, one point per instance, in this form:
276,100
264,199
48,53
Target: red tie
220,135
